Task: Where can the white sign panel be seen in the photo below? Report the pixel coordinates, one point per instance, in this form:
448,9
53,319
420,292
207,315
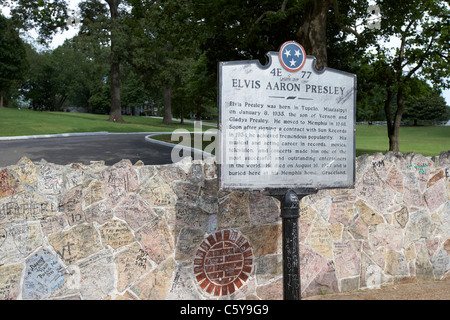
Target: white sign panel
285,124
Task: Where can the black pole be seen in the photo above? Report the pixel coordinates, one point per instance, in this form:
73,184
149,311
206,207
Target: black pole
291,260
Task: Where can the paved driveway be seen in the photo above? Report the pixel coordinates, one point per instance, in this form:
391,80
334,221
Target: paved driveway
63,150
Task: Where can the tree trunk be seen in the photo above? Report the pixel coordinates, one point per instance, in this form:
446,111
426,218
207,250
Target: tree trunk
89,107
182,115
60,102
397,120
394,123
116,108
312,34
1,101
393,142
167,105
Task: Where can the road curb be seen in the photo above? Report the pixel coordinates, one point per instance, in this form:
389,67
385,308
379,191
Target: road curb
173,145
64,135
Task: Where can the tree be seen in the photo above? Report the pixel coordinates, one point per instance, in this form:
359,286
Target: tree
199,98
237,30
47,17
74,74
40,87
13,62
423,103
424,36
133,93
50,16
116,109
83,71
242,30
313,31
162,46
432,107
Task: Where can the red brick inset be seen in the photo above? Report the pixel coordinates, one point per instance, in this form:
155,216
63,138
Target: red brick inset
223,263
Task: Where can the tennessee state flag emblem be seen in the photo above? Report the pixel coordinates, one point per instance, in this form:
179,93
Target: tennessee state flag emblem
292,56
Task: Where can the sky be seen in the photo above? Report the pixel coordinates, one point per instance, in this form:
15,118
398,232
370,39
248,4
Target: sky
73,5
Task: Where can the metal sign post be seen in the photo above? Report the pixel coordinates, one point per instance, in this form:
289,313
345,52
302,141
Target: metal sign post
291,256
290,204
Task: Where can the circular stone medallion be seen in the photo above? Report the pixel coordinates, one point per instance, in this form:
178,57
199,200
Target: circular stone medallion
223,263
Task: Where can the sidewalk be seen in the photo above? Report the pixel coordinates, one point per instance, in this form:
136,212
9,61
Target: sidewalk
430,290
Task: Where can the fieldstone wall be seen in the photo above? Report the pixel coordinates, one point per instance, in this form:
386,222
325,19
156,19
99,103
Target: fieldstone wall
166,232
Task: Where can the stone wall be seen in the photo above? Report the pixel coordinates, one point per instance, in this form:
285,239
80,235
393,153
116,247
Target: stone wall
166,232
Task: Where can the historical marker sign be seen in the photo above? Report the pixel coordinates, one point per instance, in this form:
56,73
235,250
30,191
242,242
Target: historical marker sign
285,124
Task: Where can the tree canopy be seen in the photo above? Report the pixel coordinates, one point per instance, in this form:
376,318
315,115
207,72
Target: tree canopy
13,63
423,33
163,54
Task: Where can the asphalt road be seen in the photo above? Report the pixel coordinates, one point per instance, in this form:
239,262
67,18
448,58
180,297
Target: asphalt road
63,150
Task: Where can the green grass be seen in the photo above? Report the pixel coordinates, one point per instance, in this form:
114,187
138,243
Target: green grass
428,141
15,122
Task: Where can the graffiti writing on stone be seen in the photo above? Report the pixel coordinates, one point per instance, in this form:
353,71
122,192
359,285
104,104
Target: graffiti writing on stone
141,259
116,234
378,164
26,170
44,274
53,224
99,212
419,168
10,281
158,193
167,232
212,224
119,179
74,177
156,239
8,185
18,240
50,180
97,275
134,211
73,207
23,207
76,243
93,194
131,263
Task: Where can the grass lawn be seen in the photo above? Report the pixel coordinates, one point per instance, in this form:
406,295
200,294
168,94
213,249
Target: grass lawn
15,122
428,141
